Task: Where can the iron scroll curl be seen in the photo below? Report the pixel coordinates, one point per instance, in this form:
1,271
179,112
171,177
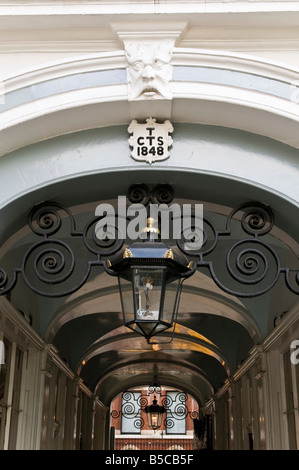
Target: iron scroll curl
249,266
134,406
244,265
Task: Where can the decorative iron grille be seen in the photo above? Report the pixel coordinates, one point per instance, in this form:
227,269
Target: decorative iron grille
240,257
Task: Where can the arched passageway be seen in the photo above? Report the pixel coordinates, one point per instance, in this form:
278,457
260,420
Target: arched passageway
215,330
226,344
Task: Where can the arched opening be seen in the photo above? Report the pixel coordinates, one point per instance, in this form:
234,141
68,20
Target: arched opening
178,430
223,158
215,331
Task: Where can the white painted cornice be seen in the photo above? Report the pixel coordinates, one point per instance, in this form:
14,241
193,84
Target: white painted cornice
71,41
68,14
76,7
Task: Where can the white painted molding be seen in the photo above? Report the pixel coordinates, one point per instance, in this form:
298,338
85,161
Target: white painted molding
210,104
180,57
234,61
64,67
75,7
263,114
149,31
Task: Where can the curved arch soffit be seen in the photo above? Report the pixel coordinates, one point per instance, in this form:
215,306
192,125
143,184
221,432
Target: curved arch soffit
108,387
228,307
78,304
184,340
200,292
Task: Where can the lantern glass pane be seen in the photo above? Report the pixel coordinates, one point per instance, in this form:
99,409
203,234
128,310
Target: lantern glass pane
149,297
154,419
126,294
147,292
171,297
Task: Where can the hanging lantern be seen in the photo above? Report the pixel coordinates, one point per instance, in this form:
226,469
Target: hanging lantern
154,414
150,277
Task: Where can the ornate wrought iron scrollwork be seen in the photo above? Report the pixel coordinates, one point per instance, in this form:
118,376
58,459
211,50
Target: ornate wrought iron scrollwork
142,194
248,267
50,266
176,407
131,408
240,258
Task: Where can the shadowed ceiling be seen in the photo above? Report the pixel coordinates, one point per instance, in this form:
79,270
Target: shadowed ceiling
214,333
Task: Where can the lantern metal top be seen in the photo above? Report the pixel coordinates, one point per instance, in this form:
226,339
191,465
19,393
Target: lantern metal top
151,251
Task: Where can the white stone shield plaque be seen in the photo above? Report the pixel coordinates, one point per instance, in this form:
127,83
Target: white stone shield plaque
150,141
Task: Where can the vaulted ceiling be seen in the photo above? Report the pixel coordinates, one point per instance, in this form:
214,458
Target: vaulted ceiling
215,329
